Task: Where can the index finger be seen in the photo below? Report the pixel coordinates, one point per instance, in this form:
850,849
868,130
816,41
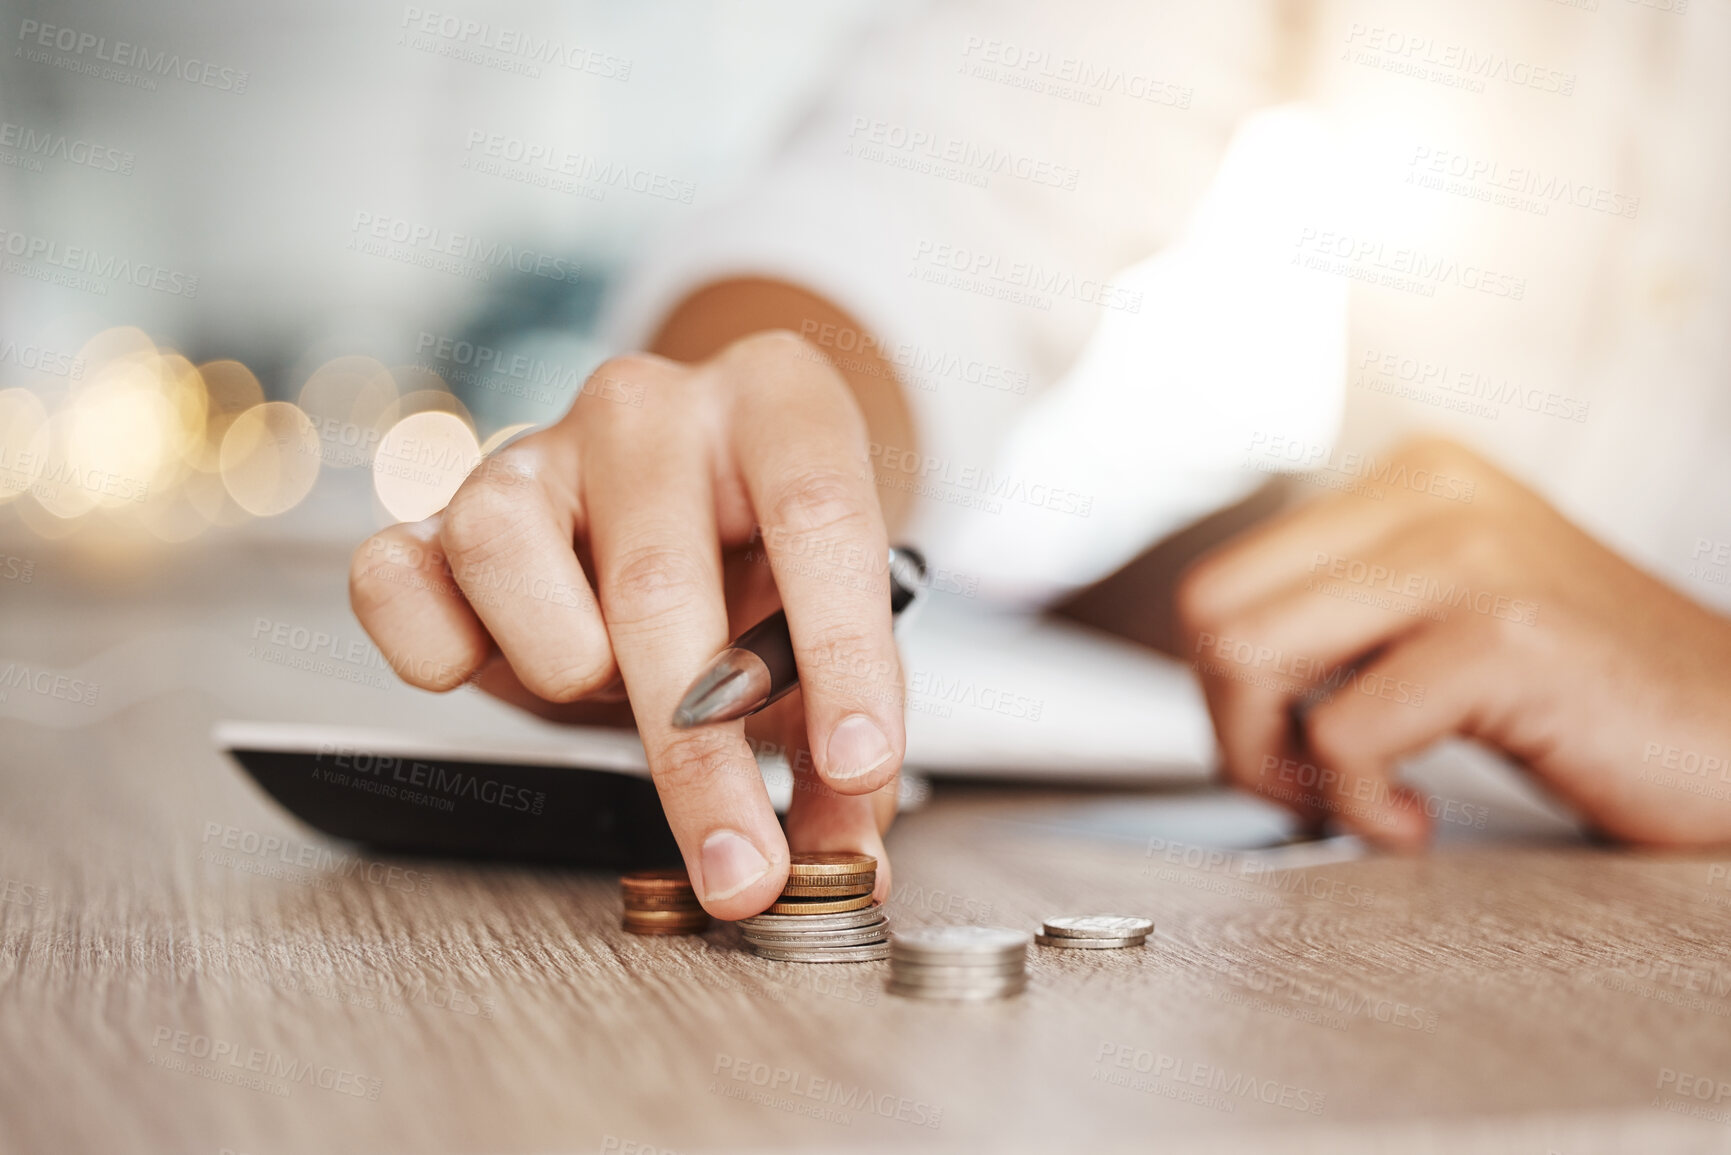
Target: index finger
801,443
648,480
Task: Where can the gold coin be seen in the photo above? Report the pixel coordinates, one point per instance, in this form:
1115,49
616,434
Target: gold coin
671,881
794,890
683,915
653,930
822,865
864,878
684,906
820,906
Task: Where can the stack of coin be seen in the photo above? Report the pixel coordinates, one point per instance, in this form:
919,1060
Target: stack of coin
1095,931
825,913
662,902
959,962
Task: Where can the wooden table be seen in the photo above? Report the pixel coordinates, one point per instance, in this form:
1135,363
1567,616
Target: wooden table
168,984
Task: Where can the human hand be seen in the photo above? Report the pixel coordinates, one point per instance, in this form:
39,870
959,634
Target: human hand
1354,631
592,552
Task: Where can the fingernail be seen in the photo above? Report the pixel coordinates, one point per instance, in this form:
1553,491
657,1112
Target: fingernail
730,864
856,748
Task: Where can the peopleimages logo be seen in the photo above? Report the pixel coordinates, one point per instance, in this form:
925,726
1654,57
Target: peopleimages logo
462,254
459,37
30,147
387,770
84,47
224,1060
86,268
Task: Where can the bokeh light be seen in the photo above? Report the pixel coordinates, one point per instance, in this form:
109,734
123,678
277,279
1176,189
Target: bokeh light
121,441
421,461
118,344
146,440
22,415
346,398
270,458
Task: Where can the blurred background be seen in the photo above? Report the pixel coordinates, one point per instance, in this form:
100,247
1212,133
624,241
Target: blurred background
288,217
383,213
282,278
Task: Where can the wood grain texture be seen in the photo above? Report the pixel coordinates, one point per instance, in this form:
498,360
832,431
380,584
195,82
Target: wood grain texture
1521,998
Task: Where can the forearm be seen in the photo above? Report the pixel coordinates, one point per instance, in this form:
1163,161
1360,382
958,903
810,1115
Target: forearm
717,314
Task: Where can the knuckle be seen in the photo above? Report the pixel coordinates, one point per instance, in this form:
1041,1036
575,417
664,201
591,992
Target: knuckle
631,367
696,761
627,374
569,681
817,499
483,517
774,344
365,563
845,659
650,580
438,675
385,568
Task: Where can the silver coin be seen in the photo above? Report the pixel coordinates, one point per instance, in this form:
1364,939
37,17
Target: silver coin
842,921
995,990
916,971
878,930
1009,961
870,952
1089,943
963,944
958,994
907,979
1099,926
826,938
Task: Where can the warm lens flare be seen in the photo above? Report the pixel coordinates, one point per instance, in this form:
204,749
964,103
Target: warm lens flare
270,458
124,437
346,398
206,493
60,487
146,437
423,401
422,461
22,415
230,390
123,343
184,389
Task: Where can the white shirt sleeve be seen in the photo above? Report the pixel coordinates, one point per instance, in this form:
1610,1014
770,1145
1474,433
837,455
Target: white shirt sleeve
982,190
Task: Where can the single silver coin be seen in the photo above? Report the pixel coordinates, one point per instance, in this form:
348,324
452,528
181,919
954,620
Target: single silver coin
876,930
821,944
1089,943
865,916
1014,958
958,994
826,938
960,943
1099,926
996,991
916,971
971,982
868,953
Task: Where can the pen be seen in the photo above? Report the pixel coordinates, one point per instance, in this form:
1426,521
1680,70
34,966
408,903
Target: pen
758,667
